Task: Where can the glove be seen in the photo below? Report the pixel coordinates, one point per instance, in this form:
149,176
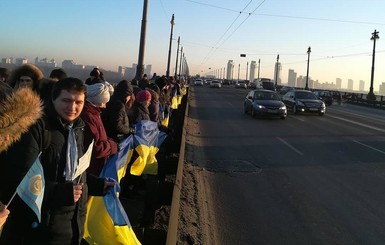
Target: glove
132,131
109,184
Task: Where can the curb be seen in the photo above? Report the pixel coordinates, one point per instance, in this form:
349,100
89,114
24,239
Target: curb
175,204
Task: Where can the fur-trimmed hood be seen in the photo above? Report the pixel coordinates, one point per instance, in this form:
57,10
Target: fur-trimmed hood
29,70
19,109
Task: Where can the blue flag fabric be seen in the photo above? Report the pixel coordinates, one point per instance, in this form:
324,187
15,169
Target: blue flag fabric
31,188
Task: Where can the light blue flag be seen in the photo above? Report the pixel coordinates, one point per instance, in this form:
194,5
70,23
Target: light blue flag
31,188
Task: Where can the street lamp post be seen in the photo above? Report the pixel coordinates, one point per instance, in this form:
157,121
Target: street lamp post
180,62
177,54
259,66
140,66
276,71
247,68
307,73
371,95
172,22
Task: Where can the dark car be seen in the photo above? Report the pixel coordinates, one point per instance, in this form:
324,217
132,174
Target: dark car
303,101
262,102
325,96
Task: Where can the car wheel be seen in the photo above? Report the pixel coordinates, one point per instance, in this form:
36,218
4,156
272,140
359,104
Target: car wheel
321,114
283,117
295,109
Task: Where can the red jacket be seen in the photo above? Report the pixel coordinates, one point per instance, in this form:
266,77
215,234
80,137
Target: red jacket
94,130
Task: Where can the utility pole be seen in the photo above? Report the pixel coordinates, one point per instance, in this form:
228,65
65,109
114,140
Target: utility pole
140,66
239,67
177,53
307,73
172,22
371,95
276,71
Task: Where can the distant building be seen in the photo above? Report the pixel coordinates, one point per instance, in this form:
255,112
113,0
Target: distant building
382,89
230,70
350,84
45,63
8,60
70,64
253,65
361,86
21,61
338,83
291,81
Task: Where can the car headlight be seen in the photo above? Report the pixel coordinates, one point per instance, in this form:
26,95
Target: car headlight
282,107
323,105
259,106
300,103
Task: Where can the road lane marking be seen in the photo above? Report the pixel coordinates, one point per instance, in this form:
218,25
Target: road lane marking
357,123
370,147
290,146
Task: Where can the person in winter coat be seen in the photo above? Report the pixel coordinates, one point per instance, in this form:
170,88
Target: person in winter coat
139,110
19,109
97,97
57,138
114,117
27,75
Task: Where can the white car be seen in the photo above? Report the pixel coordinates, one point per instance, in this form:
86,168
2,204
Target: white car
215,84
241,84
198,82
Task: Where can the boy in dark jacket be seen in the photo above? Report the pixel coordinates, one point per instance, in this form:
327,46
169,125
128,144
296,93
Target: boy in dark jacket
58,136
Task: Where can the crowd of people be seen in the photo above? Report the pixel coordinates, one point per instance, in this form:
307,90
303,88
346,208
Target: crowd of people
55,119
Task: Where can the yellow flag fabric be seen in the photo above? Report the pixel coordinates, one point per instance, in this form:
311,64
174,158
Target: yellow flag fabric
147,141
174,102
166,120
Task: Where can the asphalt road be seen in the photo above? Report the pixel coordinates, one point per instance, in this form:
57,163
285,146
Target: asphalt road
308,179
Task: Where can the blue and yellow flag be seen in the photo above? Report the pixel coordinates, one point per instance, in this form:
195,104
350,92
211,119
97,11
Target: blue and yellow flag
147,141
106,221
31,188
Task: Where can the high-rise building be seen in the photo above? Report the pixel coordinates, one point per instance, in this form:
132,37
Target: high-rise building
338,83
253,65
277,72
8,60
382,89
361,86
230,70
350,84
291,81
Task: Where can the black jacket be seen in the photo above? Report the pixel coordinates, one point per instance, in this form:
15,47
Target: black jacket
62,220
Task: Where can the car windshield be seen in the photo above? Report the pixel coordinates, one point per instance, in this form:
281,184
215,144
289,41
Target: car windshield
241,81
262,95
215,81
305,95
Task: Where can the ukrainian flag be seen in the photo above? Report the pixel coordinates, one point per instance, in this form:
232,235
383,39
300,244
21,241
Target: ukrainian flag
147,141
106,221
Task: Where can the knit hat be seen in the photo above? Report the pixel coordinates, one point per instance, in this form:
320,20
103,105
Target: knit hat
98,93
143,95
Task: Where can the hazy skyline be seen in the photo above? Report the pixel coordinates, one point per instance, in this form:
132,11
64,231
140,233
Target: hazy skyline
107,33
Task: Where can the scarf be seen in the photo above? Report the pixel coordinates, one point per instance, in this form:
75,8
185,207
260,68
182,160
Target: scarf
72,153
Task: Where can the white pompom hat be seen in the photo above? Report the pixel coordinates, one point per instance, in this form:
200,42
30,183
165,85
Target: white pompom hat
98,93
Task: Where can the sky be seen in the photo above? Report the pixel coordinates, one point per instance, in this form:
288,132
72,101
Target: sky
107,34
